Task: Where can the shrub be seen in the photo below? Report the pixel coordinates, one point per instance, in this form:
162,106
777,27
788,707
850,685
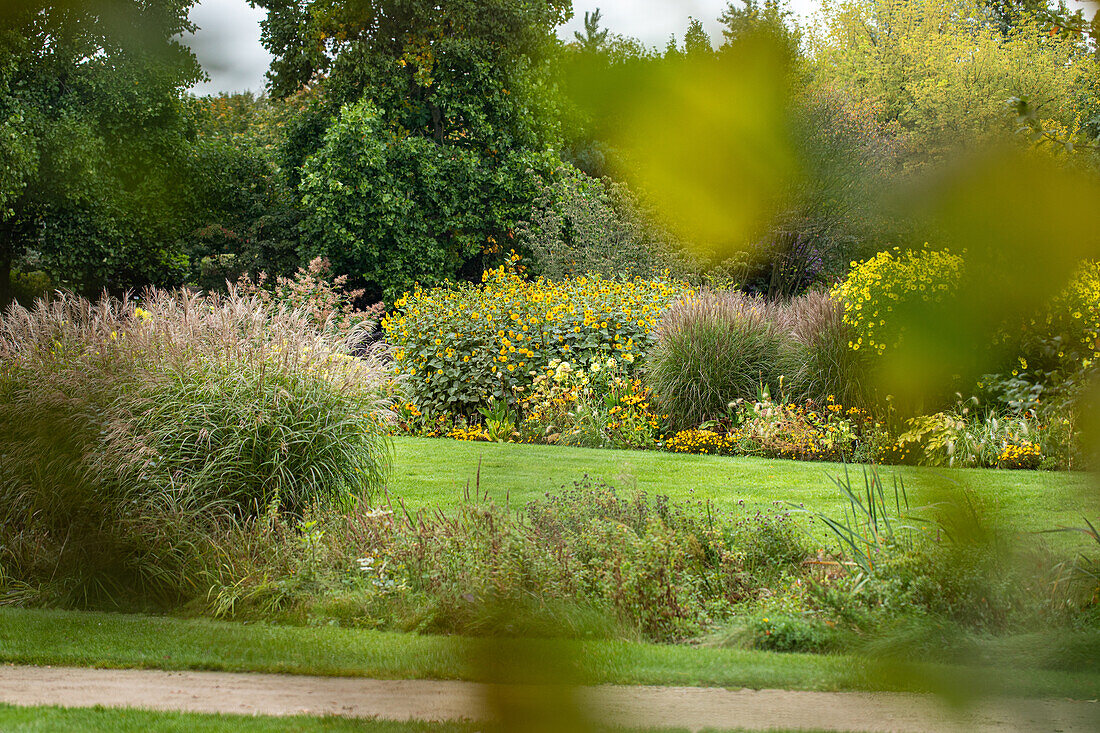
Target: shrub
461,346
392,209
1059,351
585,226
961,438
714,349
326,302
133,432
878,291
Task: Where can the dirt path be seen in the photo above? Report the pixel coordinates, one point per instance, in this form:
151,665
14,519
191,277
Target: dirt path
690,707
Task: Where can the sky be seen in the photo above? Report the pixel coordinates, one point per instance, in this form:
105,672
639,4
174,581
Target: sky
228,40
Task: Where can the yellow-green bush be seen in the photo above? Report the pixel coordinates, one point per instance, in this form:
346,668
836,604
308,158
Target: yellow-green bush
877,287
461,346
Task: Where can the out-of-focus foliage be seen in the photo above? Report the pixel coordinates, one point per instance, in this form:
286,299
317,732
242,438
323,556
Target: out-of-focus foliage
583,225
747,18
878,294
704,136
93,128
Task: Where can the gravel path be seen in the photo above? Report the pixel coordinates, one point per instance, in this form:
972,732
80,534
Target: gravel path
690,707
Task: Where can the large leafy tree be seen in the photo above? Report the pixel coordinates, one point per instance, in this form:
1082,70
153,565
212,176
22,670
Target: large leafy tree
434,121
92,119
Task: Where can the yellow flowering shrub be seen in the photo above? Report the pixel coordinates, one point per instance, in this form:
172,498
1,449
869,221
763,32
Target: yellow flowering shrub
1079,306
877,287
462,345
601,406
1067,335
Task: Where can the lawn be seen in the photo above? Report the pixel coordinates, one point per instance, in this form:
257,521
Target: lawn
432,472
84,639
91,720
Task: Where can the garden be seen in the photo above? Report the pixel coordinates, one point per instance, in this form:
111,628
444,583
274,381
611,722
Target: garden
471,352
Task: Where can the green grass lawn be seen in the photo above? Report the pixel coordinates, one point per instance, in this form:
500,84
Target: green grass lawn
79,639
434,473
43,719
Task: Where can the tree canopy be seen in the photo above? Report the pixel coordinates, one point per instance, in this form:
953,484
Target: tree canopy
91,118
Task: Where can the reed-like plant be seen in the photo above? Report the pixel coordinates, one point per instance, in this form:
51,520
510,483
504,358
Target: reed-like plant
714,349
828,365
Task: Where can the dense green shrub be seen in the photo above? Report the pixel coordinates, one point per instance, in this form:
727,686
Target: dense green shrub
586,226
396,211
715,349
460,347
132,432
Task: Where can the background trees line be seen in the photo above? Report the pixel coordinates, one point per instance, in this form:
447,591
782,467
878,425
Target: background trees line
413,145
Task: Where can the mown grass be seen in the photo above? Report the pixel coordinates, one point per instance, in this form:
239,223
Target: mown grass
69,638
432,472
42,719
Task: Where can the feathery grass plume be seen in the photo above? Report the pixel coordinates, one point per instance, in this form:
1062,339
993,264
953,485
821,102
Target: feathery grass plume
133,428
714,349
829,365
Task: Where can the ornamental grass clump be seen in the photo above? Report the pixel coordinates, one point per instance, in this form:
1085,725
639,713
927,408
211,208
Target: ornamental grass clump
134,430
715,349
829,369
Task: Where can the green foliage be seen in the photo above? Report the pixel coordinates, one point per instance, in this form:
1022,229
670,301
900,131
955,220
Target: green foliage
431,127
659,569
92,131
394,210
463,345
135,433
713,350
585,226
944,72
748,18
243,214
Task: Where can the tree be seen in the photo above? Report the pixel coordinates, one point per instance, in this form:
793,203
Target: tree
696,40
455,107
245,214
593,39
92,120
751,17
945,75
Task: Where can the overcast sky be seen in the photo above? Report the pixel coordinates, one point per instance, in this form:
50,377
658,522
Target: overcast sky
228,40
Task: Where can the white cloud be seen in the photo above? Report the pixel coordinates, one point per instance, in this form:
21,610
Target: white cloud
227,45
